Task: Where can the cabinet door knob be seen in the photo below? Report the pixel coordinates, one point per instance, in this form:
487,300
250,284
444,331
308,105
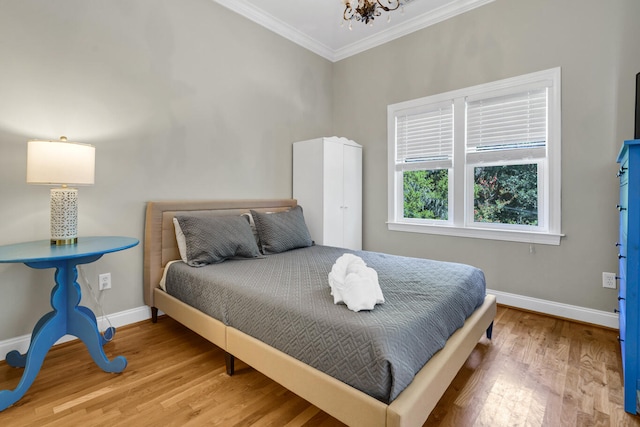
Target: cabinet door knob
618,244
615,310
620,339
620,299
620,208
621,256
621,171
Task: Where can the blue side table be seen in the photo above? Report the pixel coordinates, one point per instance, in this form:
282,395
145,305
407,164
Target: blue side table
67,316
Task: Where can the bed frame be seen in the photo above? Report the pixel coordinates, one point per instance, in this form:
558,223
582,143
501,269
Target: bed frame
349,405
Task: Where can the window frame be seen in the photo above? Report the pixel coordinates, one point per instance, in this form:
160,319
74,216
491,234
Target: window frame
458,223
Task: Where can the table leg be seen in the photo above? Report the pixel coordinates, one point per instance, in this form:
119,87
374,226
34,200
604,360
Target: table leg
81,322
17,360
46,335
84,326
92,316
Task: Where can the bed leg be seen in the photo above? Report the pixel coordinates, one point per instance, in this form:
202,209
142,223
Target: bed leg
229,361
490,330
154,314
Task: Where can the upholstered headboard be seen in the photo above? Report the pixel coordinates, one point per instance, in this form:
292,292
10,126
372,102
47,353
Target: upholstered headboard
160,244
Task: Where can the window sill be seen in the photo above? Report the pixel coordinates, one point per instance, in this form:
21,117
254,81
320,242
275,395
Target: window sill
477,233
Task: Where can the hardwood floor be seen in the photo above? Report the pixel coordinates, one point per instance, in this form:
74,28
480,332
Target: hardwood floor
536,371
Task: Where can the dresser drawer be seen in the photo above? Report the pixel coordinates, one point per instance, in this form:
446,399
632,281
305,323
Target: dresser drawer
622,278
622,319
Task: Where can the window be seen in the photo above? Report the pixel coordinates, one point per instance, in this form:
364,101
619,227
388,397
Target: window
479,162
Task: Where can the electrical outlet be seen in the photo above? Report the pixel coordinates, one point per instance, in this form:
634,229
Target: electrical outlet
609,280
104,281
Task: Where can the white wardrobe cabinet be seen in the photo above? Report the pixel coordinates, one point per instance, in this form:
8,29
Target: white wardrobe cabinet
327,182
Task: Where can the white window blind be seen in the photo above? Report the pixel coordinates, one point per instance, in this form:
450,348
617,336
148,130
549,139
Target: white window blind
425,137
502,124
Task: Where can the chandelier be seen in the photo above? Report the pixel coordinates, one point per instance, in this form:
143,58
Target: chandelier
367,10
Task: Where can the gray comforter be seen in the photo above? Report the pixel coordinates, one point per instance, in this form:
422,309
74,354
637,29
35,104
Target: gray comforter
284,300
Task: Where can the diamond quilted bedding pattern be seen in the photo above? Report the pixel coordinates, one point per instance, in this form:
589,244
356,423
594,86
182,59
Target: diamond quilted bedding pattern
284,300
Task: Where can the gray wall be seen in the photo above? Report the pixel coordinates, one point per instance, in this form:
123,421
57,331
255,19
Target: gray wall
189,100
596,45
182,99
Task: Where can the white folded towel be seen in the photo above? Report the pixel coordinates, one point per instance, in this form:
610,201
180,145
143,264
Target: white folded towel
354,284
338,273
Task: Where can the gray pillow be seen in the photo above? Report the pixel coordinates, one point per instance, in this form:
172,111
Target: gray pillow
282,231
211,239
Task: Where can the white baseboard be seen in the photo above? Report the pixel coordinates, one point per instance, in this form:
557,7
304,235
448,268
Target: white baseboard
117,320
572,312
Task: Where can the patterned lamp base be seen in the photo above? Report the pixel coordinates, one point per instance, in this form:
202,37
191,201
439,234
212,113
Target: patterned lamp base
64,216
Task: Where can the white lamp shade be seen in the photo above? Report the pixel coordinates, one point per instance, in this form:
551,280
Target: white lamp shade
60,162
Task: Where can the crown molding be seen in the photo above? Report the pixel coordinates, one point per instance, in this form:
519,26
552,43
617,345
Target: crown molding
244,8
270,22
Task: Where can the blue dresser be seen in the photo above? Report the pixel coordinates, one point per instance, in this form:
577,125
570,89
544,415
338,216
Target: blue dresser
629,270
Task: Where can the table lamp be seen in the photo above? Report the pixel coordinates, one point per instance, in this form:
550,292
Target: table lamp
65,163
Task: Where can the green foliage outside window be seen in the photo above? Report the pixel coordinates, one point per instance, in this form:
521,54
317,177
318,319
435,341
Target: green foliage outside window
506,194
426,194
502,194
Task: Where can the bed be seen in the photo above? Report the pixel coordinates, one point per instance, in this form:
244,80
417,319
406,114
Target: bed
412,405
